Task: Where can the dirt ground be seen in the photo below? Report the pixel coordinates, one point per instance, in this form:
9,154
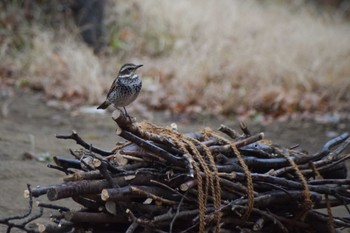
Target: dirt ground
28,125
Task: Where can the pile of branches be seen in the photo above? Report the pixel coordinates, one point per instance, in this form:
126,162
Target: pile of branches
161,180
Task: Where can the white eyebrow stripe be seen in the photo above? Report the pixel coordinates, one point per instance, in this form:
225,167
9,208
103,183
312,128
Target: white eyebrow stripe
125,67
124,76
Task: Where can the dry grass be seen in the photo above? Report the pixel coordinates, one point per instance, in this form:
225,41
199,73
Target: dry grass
213,56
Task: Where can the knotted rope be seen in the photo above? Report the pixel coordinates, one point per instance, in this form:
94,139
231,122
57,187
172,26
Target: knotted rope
188,146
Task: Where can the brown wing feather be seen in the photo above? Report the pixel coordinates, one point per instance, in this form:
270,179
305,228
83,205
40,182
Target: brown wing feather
112,86
104,105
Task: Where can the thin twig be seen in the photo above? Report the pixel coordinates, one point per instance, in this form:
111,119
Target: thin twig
176,214
74,136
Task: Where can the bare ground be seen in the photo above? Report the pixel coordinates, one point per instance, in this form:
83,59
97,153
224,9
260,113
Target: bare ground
28,125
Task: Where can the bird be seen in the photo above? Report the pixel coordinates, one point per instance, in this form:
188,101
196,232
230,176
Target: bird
125,88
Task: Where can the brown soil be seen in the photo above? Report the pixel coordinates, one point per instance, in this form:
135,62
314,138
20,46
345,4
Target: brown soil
28,125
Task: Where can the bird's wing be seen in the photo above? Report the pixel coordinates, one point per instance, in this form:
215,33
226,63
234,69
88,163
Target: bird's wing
113,86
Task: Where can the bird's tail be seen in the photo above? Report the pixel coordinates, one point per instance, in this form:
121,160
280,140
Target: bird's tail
104,105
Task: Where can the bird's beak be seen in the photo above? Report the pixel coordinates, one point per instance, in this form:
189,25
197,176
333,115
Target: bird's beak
138,67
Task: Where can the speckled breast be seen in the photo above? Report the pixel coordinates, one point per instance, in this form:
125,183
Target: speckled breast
126,91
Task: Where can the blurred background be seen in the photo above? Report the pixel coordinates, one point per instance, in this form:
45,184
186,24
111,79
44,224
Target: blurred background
247,58
272,63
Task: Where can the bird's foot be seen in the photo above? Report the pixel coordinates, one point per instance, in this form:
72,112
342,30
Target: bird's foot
125,113
131,119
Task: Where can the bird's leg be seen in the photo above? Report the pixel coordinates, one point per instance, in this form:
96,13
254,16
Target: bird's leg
127,115
123,112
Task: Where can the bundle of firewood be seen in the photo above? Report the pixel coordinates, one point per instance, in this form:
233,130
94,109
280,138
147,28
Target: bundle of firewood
157,179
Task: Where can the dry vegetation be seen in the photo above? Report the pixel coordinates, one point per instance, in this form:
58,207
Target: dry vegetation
225,56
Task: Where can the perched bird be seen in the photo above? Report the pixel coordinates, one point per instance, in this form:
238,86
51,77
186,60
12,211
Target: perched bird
125,88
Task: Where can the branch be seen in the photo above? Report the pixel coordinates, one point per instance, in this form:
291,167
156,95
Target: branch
74,136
